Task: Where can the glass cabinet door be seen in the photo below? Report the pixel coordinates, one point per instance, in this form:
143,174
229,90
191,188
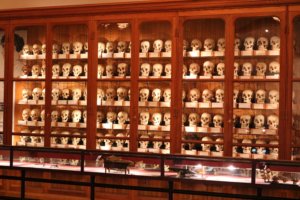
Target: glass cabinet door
113,86
155,72
256,87
69,86
2,66
203,78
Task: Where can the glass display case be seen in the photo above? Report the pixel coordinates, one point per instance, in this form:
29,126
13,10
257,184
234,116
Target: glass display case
113,86
203,75
2,67
256,87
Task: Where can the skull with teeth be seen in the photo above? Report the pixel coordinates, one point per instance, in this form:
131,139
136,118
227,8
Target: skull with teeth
26,114
261,69
122,69
249,43
262,43
207,95
144,118
65,115
157,46
168,70
36,93
121,93
66,47
100,117
66,94
111,117
168,46
193,119
206,147
54,116
247,96
77,93
121,46
221,44
26,93
259,121
55,49
219,96
247,69
209,44
145,69
56,92
100,70
167,118
167,95
122,117
55,70
101,47
194,69
235,95
110,70
156,119
275,42
144,94
260,96
236,69
110,94
196,45
100,94
245,121
205,120
77,70
66,69
218,121
194,95
237,44
26,49
274,67
156,95
157,70
35,71
273,122
35,114
220,69
76,116
208,68
145,46
36,49
110,47
273,96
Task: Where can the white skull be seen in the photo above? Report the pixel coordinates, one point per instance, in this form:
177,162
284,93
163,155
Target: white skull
43,48
145,69
219,96
26,49
144,94
157,70
157,46
66,69
167,118
156,119
26,114
100,117
208,68
167,95
183,118
65,114
261,69
66,47
84,116
196,45
36,49
55,48
262,43
274,67
56,92
247,96
111,117
236,69
259,121
218,121
194,95
101,47
194,69
206,147
100,70
273,96
247,69
273,122
219,147
193,119
122,117
221,44
168,46
237,44
260,96
100,94
35,114
205,120
110,70
110,47
121,93
35,70
156,95
121,46
26,93
55,70
110,94
184,70
275,42
145,46
209,44
221,69
168,70
246,149
207,95
249,43
66,93
144,118
245,121
77,70
77,93
43,70
122,69
36,93
54,116
185,45
76,116
235,95
86,47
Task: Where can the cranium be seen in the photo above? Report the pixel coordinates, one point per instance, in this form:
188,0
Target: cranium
156,95
43,70
43,48
122,69
66,69
220,69
26,114
36,93
274,67
66,47
261,69
35,70
145,69
100,94
218,121
275,43
193,119
77,70
100,70
26,93
196,45
111,117
245,121
249,43
273,96
55,48
207,95
262,43
168,46
205,120
36,49
194,95
209,44
219,96
121,93
110,47
235,95
273,122
101,47
77,93
65,114
221,44
66,93
247,69
156,119
219,147
35,114
208,68
110,71
185,45
100,117
144,94
122,117
237,44
167,118
167,95
121,46
206,147
194,69
259,121
260,96
247,96
145,46
144,118
157,45
54,116
25,70
55,93
55,70
168,70
110,94
76,116
236,69
157,70
26,49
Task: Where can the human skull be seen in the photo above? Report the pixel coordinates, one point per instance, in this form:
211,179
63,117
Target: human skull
35,70
218,121
156,95
65,114
111,117
245,121
246,149
66,69
219,96
208,68
121,93
26,93
168,46
122,69
262,43
168,69
110,47
184,70
221,44
100,70
54,116
193,119
35,114
122,117
157,70
110,94
36,93
77,70
273,122
209,44
55,70
157,46
100,117
55,48
77,93
261,69
249,43
76,116
36,49
196,45
145,46
194,95
236,69
273,96
194,69
86,47
207,95
259,121
247,69
185,45
220,69
25,70
55,93
219,147
167,95
66,47
205,120
235,95
121,46
260,96
237,44
26,114
100,94
274,67
144,118
145,69
247,96
109,70
167,118
275,43
43,70
144,94
156,119
206,147
66,94
101,47
26,49
43,48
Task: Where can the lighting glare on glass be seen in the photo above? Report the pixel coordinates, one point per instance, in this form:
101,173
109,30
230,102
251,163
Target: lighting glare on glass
231,168
267,30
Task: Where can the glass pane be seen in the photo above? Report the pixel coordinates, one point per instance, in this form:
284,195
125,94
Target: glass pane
2,66
296,42
155,87
69,86
256,87
203,87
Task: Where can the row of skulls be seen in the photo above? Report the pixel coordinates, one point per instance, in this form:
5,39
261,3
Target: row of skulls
257,121
112,143
209,45
260,69
258,150
207,95
68,140
156,95
110,70
156,70
111,117
33,115
206,146
157,144
31,139
111,94
68,94
67,70
157,46
34,70
262,43
65,115
204,120
260,96
155,119
113,47
208,69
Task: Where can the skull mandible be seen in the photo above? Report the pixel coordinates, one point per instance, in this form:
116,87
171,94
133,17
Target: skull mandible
35,71
261,69
194,95
55,93
262,43
121,93
259,121
273,96
221,44
209,44
193,119
260,96
121,46
156,95
156,119
208,68
168,46
221,69
145,46
218,121
247,69
247,96
66,69
122,117
145,69
273,122
144,118
144,94
249,43
55,70
66,47
207,95
77,70
196,45
245,121
122,69
219,96
157,46
157,70
275,43
36,93
205,120
76,116
194,69
167,95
